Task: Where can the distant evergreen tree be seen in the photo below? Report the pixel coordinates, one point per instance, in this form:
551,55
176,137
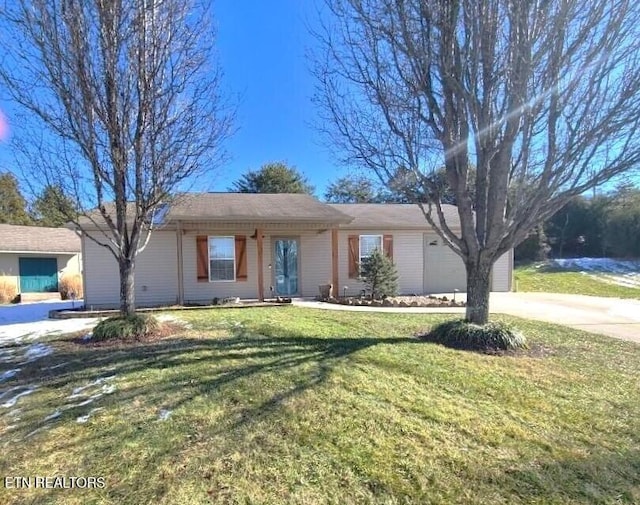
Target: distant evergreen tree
53,208
13,206
273,178
351,189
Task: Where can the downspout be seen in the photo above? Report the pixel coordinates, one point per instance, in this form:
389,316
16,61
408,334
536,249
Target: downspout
179,234
83,270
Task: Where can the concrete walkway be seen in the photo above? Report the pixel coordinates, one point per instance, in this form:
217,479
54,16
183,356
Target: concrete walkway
615,317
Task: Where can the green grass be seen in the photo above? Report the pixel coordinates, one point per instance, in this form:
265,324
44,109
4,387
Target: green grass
531,279
292,406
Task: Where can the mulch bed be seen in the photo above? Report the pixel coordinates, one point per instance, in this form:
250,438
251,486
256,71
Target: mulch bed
398,301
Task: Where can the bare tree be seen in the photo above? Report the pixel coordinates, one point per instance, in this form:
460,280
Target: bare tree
541,96
129,98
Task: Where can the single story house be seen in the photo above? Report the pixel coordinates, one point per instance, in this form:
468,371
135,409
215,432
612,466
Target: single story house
35,258
252,246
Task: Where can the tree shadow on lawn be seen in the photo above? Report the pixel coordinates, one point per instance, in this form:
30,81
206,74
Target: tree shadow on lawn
298,362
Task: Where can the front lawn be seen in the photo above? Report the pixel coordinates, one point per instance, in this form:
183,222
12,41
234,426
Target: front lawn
289,405
532,278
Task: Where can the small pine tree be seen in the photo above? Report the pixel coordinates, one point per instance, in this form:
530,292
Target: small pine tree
379,275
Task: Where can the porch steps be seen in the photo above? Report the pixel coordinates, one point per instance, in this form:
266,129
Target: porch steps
39,297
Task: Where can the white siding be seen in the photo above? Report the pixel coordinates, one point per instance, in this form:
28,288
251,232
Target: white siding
407,255
69,264
205,292
444,270
156,277
501,276
314,261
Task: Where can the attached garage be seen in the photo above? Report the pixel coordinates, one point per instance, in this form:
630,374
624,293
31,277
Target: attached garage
38,275
424,263
33,259
444,270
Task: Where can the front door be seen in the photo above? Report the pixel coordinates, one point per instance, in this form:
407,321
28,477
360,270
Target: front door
38,275
285,254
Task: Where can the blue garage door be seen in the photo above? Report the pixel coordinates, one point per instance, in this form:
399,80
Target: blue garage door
38,275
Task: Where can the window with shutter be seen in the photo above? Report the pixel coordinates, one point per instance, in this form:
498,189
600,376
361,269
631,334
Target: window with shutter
222,258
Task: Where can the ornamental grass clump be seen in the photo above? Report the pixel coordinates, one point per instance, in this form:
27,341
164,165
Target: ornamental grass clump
493,336
70,287
125,328
8,289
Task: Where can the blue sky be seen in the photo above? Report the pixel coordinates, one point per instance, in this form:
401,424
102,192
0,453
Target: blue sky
262,51
262,48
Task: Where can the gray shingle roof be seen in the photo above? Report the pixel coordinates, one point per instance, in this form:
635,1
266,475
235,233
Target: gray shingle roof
294,208
254,207
38,239
393,215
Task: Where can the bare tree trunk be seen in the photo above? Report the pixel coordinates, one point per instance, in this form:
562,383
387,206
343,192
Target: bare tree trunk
127,287
562,234
523,103
129,94
478,289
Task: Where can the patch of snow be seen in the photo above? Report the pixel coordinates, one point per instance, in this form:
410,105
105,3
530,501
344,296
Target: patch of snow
107,389
91,392
85,418
36,351
173,319
79,391
87,337
7,391
89,400
12,401
37,430
620,272
164,414
35,330
30,312
58,365
631,280
55,415
6,355
599,265
30,321
8,374
15,414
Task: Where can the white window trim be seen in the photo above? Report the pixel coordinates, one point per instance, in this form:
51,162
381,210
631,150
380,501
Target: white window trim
360,245
233,238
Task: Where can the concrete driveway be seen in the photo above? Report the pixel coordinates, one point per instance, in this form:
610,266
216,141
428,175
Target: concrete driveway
614,317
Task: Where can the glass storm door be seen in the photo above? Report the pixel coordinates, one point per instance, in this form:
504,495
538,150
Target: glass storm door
286,266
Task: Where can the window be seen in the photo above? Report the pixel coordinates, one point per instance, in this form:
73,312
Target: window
368,244
222,259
